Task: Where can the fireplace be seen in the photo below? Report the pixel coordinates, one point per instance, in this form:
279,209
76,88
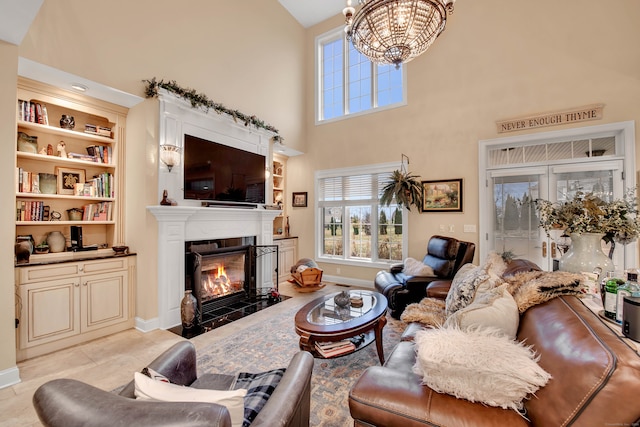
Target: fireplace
221,274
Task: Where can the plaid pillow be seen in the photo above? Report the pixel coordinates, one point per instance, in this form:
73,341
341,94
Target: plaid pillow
259,388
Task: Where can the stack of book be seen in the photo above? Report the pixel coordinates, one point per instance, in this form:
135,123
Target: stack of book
336,348
34,112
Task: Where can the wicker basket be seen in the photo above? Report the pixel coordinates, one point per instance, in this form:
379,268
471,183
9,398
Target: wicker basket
309,277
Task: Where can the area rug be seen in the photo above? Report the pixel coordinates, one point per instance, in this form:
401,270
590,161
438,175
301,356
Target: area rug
272,345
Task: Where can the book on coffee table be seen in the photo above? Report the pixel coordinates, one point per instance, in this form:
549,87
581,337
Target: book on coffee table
331,349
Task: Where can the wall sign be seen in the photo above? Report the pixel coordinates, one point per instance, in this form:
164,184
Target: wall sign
582,114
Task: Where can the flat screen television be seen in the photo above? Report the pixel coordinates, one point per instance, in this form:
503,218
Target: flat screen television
219,173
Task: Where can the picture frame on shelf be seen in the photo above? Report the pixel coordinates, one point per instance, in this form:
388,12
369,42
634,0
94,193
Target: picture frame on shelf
299,199
443,195
67,178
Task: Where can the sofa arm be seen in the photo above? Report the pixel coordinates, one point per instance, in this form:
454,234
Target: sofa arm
290,403
393,398
396,268
178,363
71,403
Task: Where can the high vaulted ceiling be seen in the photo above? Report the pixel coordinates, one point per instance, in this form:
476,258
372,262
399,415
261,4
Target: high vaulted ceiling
311,12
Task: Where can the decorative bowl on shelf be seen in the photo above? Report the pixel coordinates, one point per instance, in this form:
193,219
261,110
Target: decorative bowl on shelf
42,249
75,214
120,250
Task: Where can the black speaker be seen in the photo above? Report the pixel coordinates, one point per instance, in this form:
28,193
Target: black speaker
76,237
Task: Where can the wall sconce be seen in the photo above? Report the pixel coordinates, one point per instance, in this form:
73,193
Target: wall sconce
170,155
267,172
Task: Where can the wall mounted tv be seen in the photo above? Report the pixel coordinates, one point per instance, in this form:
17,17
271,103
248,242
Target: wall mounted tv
219,173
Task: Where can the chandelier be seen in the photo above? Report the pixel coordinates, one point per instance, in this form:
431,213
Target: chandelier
395,31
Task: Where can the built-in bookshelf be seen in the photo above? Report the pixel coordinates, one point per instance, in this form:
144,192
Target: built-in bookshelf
67,154
279,195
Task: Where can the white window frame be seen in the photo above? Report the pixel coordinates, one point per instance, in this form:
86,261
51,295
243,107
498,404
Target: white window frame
319,229
332,36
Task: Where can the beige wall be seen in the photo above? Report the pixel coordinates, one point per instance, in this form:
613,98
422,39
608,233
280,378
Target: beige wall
496,60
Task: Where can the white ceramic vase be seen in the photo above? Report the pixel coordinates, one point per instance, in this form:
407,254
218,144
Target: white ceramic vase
56,241
585,254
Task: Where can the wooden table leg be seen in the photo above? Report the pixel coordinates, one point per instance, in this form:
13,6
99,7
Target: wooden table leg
306,343
378,331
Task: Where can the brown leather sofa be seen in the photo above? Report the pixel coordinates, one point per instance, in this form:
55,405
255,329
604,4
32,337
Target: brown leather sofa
445,255
68,403
595,378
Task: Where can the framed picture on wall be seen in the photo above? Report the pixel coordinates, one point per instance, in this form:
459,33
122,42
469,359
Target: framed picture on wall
442,196
68,178
299,200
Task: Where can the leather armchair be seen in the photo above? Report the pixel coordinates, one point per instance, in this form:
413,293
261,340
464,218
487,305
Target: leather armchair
445,255
68,403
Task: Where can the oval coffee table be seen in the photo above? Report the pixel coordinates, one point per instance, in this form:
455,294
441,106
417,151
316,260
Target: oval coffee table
322,321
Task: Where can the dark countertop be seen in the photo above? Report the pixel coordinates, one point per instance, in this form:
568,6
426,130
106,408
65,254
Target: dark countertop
284,237
64,257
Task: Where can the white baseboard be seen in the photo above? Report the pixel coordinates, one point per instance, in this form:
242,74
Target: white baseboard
147,325
9,377
349,281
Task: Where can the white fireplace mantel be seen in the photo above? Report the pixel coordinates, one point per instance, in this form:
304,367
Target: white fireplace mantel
180,224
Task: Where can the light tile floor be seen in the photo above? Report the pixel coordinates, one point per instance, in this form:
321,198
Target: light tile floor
109,362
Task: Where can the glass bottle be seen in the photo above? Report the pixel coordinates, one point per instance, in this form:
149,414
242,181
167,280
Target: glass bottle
625,290
610,298
634,288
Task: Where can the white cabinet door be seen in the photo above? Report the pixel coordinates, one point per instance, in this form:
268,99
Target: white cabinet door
50,311
104,300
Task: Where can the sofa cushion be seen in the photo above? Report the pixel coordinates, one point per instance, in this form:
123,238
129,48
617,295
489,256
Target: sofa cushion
480,365
469,279
494,308
233,400
259,388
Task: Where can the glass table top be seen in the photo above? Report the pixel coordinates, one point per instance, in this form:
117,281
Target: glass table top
328,313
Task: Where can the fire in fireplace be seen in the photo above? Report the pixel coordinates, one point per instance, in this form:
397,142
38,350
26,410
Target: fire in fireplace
222,276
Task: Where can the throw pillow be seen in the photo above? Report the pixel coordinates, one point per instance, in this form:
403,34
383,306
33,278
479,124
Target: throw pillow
154,375
148,389
494,308
259,388
413,267
480,365
470,279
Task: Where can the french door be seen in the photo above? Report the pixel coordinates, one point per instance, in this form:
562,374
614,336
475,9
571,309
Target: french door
514,223
555,166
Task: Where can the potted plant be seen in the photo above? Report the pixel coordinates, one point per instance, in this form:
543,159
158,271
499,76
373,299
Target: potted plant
405,188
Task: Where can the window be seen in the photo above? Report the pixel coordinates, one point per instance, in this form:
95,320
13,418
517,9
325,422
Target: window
348,83
351,224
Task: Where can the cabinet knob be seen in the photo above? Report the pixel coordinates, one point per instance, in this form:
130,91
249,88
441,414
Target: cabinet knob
77,285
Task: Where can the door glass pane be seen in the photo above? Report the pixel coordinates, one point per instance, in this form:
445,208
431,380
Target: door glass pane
599,182
515,217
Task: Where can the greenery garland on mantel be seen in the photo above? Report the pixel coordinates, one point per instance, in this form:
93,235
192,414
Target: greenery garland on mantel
200,100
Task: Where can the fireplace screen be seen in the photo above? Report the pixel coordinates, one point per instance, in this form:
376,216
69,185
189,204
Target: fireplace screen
222,274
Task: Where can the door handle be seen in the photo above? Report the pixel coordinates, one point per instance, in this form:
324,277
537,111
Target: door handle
553,250
544,249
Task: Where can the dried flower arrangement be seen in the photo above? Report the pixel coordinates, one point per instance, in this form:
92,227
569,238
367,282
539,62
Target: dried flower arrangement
587,213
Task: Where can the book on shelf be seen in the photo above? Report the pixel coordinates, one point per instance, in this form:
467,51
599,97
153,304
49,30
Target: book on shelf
27,182
336,348
30,210
33,112
102,153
